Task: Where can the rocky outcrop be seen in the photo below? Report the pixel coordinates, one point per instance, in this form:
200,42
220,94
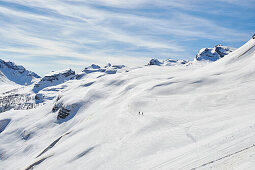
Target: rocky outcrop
64,111
16,102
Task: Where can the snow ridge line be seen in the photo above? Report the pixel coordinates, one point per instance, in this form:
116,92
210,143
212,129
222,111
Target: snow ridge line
247,148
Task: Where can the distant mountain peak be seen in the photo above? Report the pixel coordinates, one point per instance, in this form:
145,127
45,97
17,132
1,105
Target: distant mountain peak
213,54
16,73
108,69
168,62
54,78
205,54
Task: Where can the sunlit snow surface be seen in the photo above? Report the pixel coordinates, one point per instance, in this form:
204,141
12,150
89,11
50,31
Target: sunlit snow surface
199,116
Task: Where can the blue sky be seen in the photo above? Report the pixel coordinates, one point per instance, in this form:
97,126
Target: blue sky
47,35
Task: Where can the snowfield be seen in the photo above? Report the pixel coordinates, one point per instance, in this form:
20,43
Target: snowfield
197,116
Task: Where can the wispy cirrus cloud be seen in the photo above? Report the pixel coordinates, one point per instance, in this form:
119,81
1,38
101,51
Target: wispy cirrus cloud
101,31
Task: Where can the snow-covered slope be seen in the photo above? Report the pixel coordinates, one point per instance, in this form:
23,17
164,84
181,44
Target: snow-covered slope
213,54
6,84
145,118
9,71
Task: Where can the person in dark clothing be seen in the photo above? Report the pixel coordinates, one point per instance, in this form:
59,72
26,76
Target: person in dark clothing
253,36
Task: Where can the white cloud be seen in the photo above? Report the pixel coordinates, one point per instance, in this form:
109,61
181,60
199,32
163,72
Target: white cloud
82,30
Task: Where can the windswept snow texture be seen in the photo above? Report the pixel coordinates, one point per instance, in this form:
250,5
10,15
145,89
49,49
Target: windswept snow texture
16,74
213,54
194,117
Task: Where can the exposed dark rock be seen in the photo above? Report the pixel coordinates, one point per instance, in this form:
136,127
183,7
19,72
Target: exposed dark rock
63,113
17,102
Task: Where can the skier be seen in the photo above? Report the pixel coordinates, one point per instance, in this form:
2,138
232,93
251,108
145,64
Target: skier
253,36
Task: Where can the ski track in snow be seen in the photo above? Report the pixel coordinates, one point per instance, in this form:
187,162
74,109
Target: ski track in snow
224,157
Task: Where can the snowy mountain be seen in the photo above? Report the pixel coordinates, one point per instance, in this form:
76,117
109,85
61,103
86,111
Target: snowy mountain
192,117
108,69
49,81
15,73
213,54
168,62
54,78
205,54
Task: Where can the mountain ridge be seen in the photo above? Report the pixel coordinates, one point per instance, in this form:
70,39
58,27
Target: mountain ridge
17,73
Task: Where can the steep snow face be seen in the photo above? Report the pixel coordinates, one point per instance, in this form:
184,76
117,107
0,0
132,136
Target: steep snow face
6,84
16,74
168,62
193,118
54,78
213,54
